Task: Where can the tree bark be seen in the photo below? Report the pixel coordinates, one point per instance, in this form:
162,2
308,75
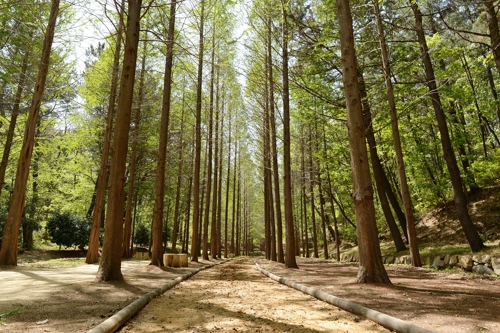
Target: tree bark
127,232
179,181
371,268
468,227
8,252
405,192
157,250
97,217
110,265
311,193
491,15
290,261
208,189
195,245
228,185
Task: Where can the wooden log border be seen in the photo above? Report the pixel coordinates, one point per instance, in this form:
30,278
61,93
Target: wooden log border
118,319
392,323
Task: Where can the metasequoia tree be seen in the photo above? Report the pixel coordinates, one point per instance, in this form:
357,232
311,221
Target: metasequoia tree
405,192
290,261
371,269
460,199
8,252
195,245
93,249
157,250
110,265
127,232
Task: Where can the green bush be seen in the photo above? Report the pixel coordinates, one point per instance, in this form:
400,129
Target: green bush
66,229
141,236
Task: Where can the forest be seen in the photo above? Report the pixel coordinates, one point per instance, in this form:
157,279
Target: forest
227,127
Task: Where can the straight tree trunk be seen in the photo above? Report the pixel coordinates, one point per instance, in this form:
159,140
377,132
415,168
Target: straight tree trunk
274,146
97,217
371,268
311,193
233,221
8,252
323,217
179,181
290,261
405,191
208,189
13,119
238,213
110,265
157,250
213,229
127,232
195,245
468,227
377,168
304,197
219,196
228,185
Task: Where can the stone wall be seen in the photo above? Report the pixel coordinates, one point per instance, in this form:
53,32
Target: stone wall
481,264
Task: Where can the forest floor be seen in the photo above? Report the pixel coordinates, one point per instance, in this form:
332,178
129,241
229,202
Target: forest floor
236,296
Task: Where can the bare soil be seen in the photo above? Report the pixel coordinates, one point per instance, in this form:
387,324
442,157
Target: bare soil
236,297
444,302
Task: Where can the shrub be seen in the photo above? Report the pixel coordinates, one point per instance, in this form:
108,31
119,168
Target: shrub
141,236
66,229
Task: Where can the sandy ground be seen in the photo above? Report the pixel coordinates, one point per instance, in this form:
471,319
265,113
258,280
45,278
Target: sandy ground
235,297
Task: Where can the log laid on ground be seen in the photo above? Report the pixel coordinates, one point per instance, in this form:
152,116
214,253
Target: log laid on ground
118,319
387,321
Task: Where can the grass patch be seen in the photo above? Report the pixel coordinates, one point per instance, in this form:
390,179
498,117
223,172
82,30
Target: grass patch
57,263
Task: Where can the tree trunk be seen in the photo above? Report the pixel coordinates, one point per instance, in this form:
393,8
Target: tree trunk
233,221
213,229
157,250
8,252
195,245
311,193
304,197
208,189
219,196
226,250
371,268
179,181
274,146
13,119
405,192
97,217
468,227
127,232
110,265
290,261
491,15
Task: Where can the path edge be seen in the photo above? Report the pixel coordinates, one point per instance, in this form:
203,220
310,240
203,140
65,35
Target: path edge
389,322
118,319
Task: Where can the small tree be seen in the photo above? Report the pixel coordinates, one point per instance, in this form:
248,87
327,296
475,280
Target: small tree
141,236
66,229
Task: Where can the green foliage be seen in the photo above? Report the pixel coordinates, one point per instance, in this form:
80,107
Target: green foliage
141,236
66,229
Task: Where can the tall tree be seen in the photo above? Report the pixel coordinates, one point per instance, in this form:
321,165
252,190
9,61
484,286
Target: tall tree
110,265
195,245
460,199
371,269
290,261
405,191
8,252
157,250
102,178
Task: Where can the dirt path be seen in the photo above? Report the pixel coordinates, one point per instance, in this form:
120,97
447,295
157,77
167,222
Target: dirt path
236,297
